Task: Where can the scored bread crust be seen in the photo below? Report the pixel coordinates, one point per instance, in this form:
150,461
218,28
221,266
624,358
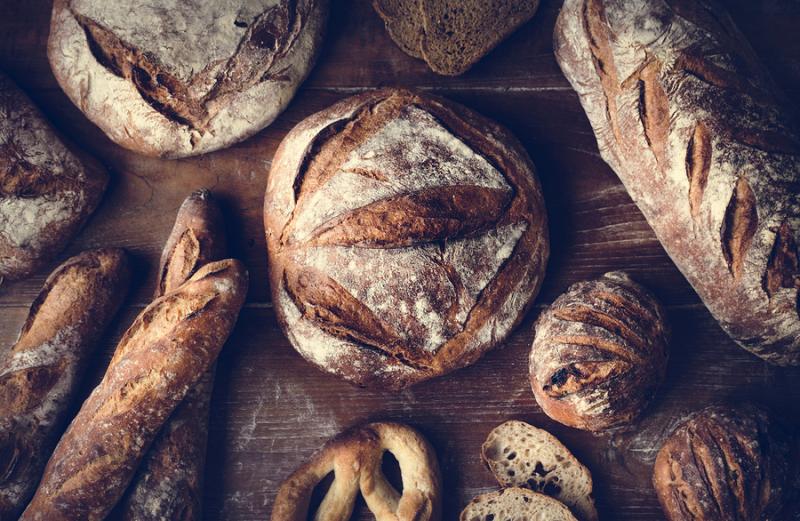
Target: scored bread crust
331,327
515,503
693,126
233,112
725,464
600,353
41,374
355,458
48,188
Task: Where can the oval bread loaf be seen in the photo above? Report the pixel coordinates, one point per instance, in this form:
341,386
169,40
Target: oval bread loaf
47,189
407,235
692,125
40,374
177,78
519,504
599,353
724,464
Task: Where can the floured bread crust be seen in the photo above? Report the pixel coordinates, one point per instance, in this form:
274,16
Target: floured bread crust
407,236
689,120
128,66
47,191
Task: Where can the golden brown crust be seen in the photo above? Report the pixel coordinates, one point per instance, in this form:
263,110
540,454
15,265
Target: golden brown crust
724,464
40,374
355,459
600,353
164,353
409,219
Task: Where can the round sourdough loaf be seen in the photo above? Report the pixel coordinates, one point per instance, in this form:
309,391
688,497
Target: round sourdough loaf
600,353
407,235
47,189
176,78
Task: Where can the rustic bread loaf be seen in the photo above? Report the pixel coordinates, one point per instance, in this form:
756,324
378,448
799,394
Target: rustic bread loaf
599,354
724,464
161,356
169,482
355,458
691,123
47,189
519,504
407,236
179,78
452,35
520,455
40,374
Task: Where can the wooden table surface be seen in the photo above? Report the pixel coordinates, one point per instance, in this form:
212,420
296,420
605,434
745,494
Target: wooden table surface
270,409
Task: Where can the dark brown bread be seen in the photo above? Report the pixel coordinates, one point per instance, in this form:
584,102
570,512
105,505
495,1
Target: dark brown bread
600,353
186,77
169,482
724,464
407,236
161,356
40,374
404,22
692,124
47,189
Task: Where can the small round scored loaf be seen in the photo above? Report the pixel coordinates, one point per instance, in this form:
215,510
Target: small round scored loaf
724,464
599,354
407,236
177,78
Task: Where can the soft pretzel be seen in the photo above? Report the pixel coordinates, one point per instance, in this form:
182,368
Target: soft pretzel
355,458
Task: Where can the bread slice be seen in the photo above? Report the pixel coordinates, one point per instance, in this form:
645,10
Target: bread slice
520,455
517,504
403,20
458,33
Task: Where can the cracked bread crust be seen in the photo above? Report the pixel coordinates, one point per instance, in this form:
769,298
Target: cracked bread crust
724,464
695,129
157,97
407,236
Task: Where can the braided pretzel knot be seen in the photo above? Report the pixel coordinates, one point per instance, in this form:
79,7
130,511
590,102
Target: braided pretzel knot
355,459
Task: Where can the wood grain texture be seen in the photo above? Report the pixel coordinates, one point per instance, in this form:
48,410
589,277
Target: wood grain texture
271,409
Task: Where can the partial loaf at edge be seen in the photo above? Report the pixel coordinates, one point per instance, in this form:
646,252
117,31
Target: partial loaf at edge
519,504
693,126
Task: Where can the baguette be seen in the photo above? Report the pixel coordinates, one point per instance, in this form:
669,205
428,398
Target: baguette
161,356
169,483
693,126
40,374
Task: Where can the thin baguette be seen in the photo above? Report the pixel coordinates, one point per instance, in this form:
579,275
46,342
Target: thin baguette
164,353
40,374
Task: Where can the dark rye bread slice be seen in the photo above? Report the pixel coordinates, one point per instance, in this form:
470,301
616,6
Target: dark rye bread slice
517,504
404,23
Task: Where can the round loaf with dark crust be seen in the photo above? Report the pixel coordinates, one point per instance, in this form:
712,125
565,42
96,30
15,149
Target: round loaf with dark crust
407,236
599,354
177,78
724,464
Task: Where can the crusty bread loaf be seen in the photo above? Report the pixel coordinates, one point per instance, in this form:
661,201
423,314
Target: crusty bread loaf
407,236
161,356
40,374
724,464
691,123
179,78
519,504
520,455
355,458
452,35
47,189
169,482
600,353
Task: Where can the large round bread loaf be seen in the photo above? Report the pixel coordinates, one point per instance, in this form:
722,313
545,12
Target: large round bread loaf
407,235
47,189
693,126
177,78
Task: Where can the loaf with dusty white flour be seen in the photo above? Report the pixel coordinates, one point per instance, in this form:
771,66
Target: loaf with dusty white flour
48,189
407,235
693,126
180,78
